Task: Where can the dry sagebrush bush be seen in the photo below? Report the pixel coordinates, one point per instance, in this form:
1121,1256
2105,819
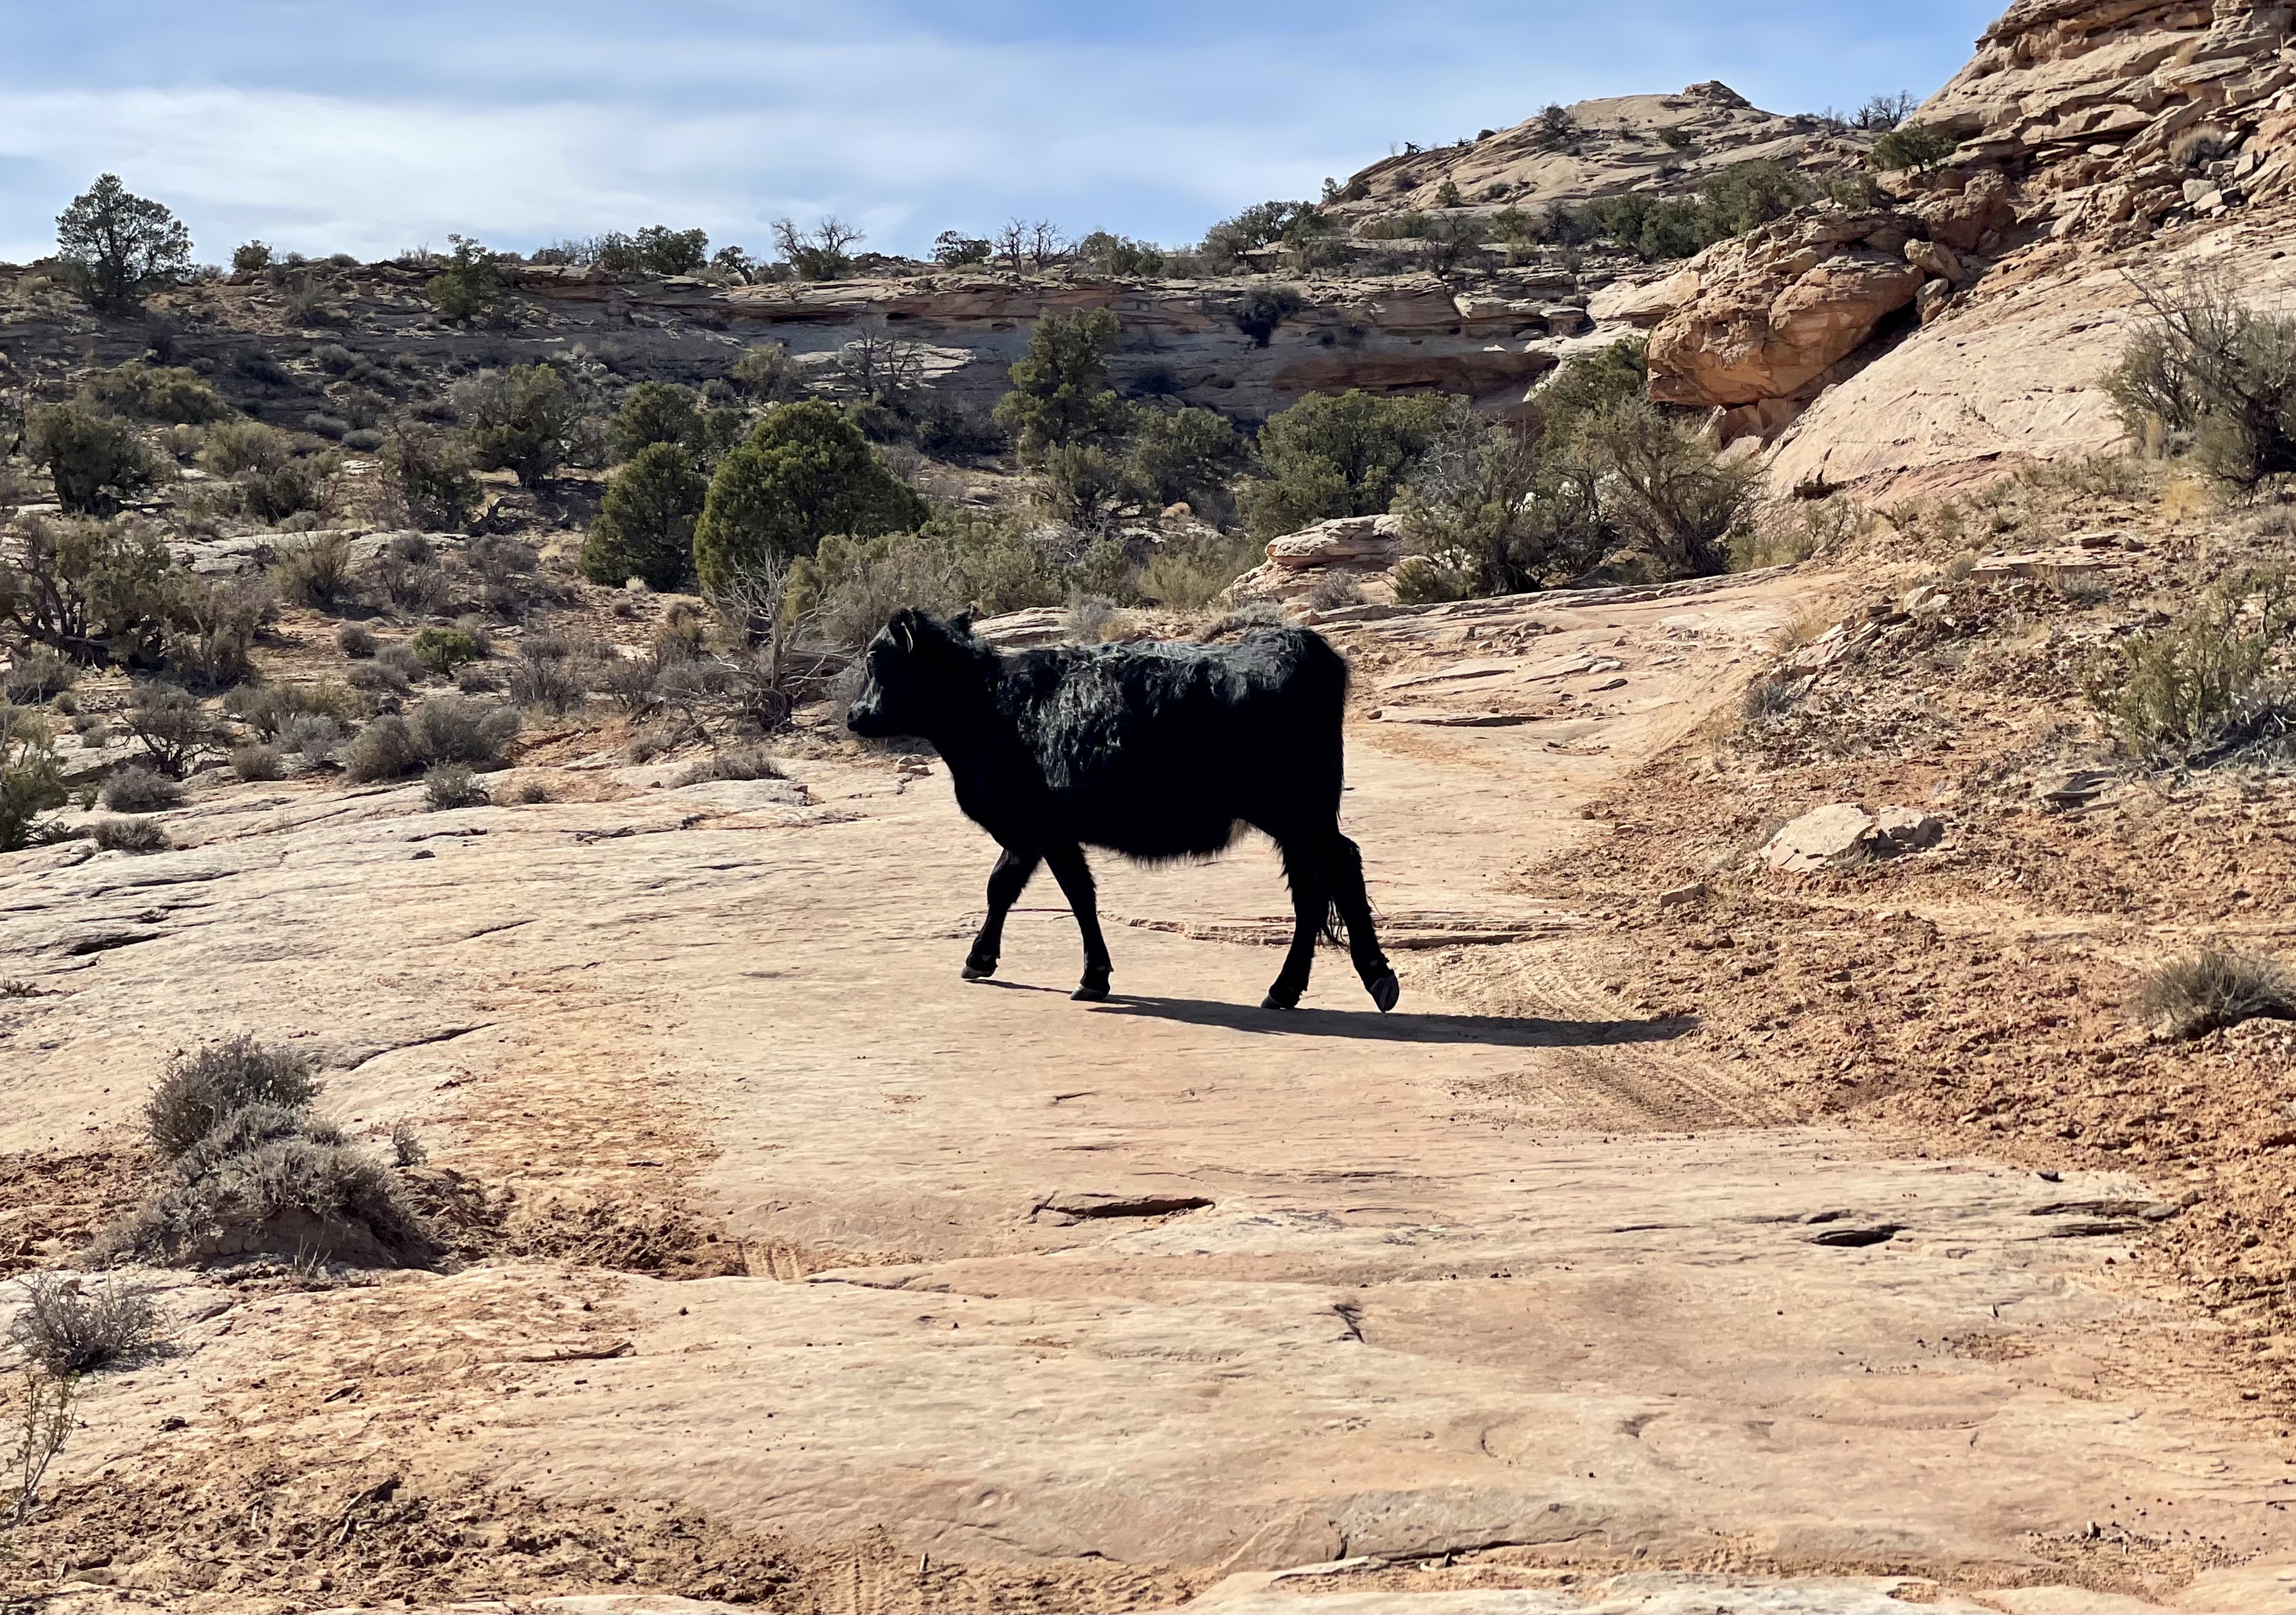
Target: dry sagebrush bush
199,1089
129,835
67,1328
135,790
2213,988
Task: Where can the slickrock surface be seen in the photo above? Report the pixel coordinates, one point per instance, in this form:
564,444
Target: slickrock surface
997,1279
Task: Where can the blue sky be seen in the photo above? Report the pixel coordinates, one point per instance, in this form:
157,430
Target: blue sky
321,127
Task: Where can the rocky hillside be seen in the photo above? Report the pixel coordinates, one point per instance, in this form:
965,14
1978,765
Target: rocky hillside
1246,346
1665,144
1969,326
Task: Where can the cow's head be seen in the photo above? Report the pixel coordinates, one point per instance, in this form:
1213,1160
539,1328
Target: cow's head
918,667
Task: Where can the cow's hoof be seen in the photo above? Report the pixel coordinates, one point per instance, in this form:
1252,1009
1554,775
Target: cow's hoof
975,971
1385,991
1089,994
1278,1001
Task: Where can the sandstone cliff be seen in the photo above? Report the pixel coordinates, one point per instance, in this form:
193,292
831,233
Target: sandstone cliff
2100,141
1667,144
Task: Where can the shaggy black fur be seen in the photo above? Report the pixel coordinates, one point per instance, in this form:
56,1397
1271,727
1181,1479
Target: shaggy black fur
1156,751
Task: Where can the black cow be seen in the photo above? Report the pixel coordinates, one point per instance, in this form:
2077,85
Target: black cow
1156,751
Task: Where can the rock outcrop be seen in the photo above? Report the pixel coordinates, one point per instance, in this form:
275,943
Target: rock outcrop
1360,550
1768,314
1663,145
2103,141
1184,340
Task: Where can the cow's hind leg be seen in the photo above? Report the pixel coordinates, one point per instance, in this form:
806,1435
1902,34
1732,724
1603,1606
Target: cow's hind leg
1074,876
1342,866
1006,883
1311,907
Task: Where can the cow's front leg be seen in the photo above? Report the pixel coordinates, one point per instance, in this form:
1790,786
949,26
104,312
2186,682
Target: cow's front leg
1006,883
1074,876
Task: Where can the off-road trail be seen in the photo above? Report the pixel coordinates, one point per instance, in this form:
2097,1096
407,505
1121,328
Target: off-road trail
1508,1296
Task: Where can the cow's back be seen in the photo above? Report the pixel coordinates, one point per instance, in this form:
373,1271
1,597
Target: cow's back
1159,749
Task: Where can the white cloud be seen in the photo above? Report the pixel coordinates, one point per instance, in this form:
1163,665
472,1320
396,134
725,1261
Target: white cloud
523,125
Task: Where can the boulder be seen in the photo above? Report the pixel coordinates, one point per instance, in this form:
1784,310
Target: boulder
1646,303
1820,837
1963,219
1937,258
1361,548
1843,832
1777,308
1364,542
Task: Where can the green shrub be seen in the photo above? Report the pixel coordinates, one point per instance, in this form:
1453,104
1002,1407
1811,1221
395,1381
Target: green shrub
249,257
267,480
428,474
468,285
1108,253
1262,225
520,420
656,250
1912,146
1664,491
2219,375
2208,685
130,789
1655,227
449,785
806,472
156,392
31,781
38,674
1187,453
199,1089
355,640
1485,513
2198,993
315,572
116,248
235,448
1083,484
1338,454
95,591
442,650
657,411
1263,309
258,763
1060,395
644,527
94,459
955,250
129,835
173,728
1189,576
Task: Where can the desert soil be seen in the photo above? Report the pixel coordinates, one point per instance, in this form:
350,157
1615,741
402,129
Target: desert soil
800,1273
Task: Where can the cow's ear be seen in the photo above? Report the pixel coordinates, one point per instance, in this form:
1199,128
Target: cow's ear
962,623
